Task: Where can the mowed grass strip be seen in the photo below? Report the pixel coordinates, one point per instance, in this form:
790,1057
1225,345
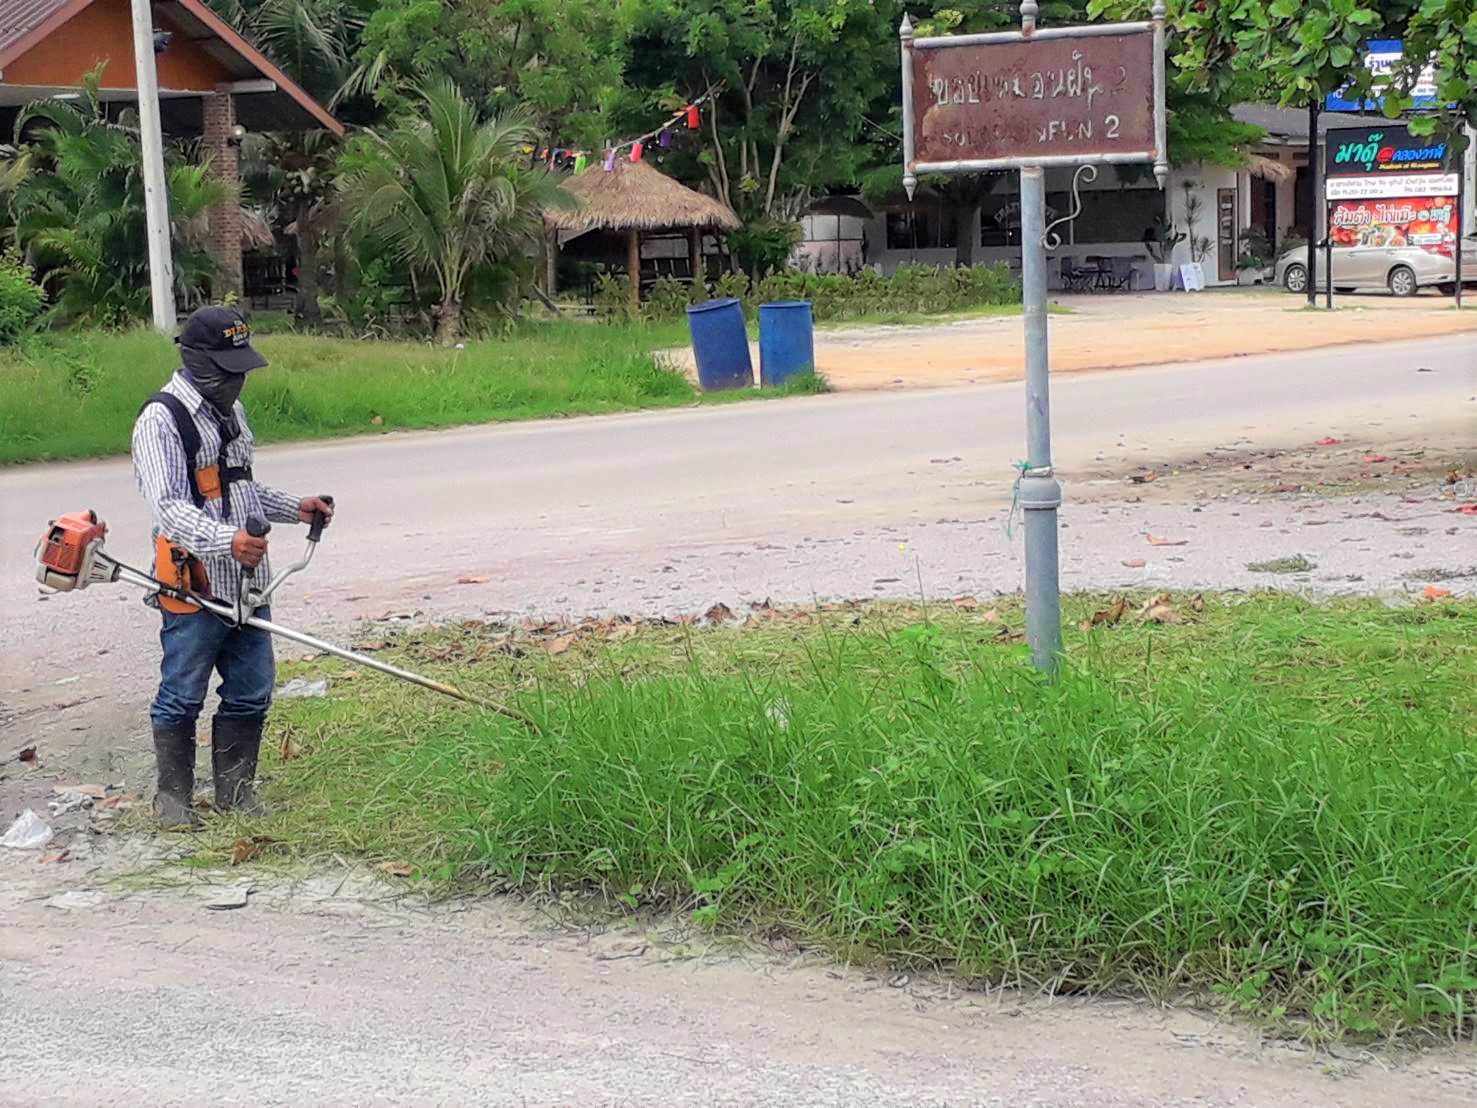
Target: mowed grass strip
1273,803
77,394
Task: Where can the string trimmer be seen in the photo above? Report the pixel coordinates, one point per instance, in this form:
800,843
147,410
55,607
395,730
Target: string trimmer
70,556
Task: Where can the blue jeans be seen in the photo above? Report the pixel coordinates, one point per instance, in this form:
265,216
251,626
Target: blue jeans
194,644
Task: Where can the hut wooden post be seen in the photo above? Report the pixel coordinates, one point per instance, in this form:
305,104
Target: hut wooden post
633,265
695,256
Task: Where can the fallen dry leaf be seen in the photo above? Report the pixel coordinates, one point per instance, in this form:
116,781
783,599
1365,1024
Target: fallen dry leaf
718,613
1135,563
1435,592
377,419
1465,509
1286,488
1197,603
1144,478
1162,613
623,631
1106,617
1329,442
52,857
244,850
27,755
560,645
395,869
1159,540
968,603
470,580
992,616
1374,459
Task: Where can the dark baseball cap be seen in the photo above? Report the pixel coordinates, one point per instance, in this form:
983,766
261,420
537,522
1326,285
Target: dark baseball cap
224,336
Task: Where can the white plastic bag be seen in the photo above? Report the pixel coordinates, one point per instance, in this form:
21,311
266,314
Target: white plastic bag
28,832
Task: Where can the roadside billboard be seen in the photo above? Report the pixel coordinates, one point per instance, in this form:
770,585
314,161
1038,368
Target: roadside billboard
1427,222
1386,189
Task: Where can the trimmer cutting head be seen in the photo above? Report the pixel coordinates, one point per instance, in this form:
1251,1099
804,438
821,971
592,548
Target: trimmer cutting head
68,555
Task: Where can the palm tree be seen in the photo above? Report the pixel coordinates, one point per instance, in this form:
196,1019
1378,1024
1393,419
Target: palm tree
79,210
314,41
451,195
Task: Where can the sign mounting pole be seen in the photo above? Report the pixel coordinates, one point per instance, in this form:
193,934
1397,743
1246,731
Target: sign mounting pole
1028,100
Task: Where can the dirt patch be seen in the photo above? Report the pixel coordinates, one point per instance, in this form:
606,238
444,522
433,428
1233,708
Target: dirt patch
1110,331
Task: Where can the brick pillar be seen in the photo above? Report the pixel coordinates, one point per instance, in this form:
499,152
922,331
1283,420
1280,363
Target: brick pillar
225,217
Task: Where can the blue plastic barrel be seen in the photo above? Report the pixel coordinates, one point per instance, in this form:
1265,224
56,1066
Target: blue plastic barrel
786,341
720,343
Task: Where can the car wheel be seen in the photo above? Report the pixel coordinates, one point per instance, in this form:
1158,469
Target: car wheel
1295,278
1402,281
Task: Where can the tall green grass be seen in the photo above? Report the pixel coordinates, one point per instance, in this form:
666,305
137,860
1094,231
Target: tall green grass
1275,805
77,394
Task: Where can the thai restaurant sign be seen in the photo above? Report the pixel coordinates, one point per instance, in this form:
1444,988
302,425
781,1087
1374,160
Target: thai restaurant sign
1388,188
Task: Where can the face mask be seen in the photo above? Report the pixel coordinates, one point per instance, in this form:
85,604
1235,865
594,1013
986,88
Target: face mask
215,384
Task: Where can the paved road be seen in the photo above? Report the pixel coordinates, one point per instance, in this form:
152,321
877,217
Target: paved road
119,997
678,509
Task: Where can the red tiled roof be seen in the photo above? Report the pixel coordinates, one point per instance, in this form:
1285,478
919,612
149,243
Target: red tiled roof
19,17
23,23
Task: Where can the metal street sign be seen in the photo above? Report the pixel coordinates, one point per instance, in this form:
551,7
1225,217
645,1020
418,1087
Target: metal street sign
1384,56
1059,96
1026,100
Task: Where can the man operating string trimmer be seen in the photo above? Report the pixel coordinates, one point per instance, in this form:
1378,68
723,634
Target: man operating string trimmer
192,453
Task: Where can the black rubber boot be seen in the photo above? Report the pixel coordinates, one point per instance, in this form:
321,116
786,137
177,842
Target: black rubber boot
234,744
174,752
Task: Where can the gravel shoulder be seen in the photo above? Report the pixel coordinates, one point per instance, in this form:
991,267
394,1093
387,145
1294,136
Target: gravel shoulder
337,989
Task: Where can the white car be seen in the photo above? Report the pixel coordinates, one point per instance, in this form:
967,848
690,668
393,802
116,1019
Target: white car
1404,270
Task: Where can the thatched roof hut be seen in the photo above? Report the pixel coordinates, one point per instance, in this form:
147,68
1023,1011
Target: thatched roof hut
633,198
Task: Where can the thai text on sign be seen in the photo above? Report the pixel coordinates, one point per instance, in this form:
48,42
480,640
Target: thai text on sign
1047,97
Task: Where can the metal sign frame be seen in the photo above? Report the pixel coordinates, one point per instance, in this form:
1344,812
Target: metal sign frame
1037,490
1159,155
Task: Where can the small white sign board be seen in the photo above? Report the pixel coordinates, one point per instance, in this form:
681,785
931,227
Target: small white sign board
1191,277
1397,185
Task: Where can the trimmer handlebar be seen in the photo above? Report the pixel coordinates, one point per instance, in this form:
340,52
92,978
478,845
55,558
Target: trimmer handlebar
258,527
319,520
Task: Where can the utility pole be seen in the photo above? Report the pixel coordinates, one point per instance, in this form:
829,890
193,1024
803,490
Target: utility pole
156,192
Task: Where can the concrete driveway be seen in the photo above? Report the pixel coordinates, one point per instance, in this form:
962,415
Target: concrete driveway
1109,330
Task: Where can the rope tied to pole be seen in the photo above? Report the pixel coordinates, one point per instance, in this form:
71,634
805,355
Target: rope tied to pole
1021,468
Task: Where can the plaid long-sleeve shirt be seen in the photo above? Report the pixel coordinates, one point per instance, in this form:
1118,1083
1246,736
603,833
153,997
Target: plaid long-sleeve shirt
161,470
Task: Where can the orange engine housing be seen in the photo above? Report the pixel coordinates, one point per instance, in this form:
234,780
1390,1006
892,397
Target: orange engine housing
67,541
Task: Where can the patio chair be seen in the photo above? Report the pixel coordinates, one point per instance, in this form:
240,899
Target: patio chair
1075,279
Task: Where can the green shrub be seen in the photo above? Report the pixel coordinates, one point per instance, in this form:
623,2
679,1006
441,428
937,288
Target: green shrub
734,285
911,290
668,299
21,298
613,298
764,246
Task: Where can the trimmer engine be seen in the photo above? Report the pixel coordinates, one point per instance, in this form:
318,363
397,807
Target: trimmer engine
68,555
